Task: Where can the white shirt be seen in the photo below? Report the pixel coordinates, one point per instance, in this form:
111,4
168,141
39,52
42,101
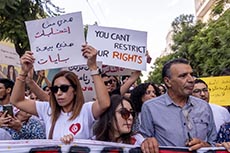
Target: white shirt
220,114
80,127
4,135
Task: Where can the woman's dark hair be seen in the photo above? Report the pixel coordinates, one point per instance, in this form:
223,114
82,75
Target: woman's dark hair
103,129
8,72
78,100
138,92
164,88
118,84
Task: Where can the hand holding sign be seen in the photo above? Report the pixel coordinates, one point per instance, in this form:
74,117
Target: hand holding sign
27,61
91,54
54,40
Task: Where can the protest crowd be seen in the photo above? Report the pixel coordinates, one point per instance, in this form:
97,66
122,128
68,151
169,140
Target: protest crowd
176,112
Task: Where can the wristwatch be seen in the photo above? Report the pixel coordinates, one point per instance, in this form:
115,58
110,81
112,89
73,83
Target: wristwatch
95,72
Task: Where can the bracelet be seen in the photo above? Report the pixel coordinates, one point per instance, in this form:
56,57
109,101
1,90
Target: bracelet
20,79
24,75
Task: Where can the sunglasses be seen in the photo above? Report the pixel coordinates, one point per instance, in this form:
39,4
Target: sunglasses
63,88
125,114
108,82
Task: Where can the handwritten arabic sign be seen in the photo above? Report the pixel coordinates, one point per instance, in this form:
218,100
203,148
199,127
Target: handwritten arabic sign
56,42
219,88
87,85
119,47
114,70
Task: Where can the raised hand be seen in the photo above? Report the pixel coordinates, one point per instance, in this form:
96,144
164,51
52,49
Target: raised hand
91,54
27,61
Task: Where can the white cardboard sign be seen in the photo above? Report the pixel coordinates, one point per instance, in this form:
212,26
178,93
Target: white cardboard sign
56,41
119,47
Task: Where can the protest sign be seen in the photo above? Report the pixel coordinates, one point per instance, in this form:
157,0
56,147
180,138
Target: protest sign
86,81
119,47
57,41
9,71
114,70
219,89
9,56
88,146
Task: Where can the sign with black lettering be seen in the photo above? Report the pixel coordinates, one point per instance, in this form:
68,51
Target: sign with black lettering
57,41
119,47
219,89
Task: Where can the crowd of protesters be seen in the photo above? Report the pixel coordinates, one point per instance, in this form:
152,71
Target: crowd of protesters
174,113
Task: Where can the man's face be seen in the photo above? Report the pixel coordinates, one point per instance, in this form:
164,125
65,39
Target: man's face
200,90
181,82
3,93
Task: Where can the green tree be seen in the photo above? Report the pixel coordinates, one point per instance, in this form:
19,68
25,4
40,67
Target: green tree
155,75
218,8
206,46
211,47
13,14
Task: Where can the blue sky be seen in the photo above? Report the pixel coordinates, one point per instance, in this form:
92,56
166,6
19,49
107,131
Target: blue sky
153,16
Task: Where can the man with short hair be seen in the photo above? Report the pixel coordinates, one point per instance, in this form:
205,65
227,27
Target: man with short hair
177,118
6,87
220,114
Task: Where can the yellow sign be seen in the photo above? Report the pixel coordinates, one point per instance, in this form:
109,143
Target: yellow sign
219,89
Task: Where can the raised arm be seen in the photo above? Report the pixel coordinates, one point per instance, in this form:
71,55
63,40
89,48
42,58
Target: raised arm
34,87
102,96
125,87
18,93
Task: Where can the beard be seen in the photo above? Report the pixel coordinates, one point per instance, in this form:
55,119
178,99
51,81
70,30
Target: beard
3,97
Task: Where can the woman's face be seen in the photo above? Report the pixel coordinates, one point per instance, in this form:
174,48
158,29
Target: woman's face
47,90
149,94
123,125
114,83
161,90
64,93
11,69
107,83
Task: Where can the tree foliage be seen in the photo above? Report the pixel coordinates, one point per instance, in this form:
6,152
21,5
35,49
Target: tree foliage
13,14
206,46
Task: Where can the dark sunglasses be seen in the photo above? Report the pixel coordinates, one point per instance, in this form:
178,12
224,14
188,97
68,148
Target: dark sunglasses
63,88
108,82
125,114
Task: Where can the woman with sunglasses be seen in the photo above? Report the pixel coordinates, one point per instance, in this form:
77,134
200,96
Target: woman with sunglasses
115,124
115,88
66,116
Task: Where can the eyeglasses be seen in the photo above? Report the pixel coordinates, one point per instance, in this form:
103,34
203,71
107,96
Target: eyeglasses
108,82
63,88
200,90
125,114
